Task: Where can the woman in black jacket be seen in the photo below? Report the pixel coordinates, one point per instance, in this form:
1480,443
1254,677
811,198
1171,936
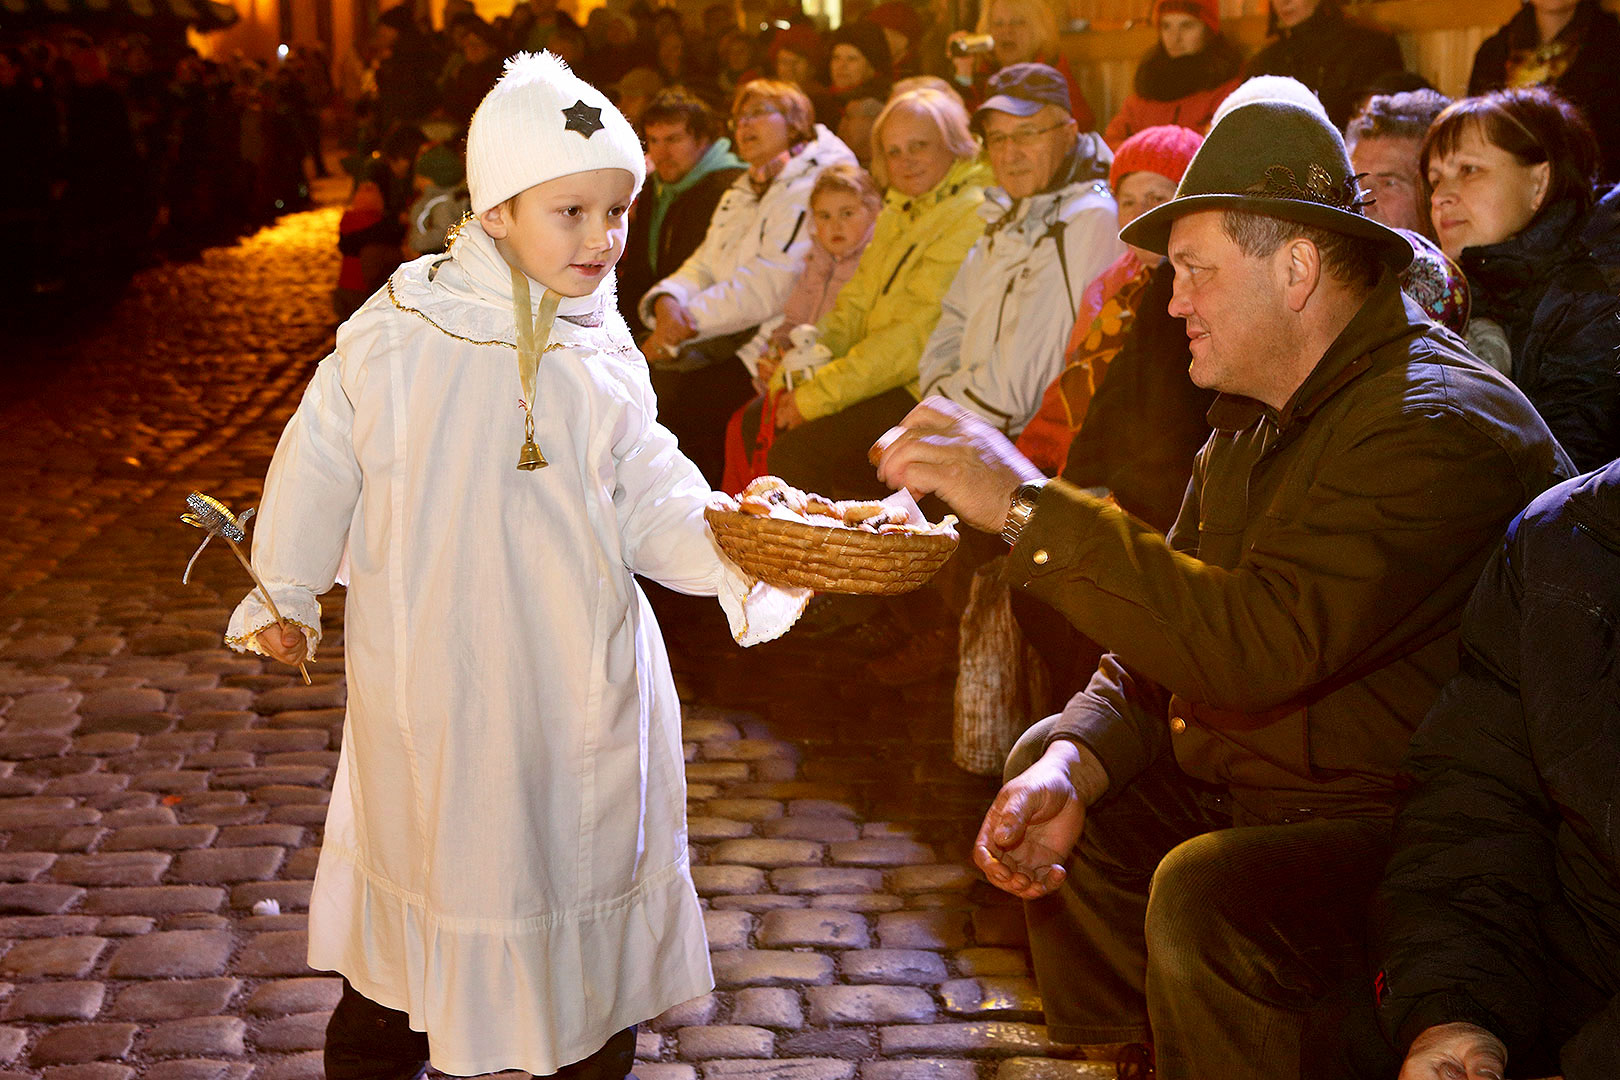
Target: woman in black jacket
1509,178
1572,48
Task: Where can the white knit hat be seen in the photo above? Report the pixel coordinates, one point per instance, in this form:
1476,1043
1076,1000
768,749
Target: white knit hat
542,121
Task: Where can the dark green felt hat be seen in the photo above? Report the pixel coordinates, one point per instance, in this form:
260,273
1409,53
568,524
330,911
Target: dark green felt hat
1275,158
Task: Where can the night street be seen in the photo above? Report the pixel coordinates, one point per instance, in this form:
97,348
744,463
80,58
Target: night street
158,788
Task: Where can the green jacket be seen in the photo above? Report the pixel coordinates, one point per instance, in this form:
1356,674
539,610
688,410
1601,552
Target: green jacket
1299,620
883,316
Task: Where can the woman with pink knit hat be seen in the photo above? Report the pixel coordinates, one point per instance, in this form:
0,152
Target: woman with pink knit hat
1186,74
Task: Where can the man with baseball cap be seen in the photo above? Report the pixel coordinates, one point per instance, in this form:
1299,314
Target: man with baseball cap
1197,834
1050,228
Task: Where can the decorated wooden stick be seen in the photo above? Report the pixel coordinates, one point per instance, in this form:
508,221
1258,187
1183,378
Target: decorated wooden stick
215,518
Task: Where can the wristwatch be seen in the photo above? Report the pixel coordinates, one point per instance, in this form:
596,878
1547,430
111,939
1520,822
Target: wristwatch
1021,510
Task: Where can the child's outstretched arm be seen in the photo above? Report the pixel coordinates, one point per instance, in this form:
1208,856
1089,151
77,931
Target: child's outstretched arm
303,522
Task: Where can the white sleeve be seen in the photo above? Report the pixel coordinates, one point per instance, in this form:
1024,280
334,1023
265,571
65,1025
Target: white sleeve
660,497
757,290
693,276
302,526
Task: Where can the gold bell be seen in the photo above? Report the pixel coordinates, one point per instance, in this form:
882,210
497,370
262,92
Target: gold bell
530,458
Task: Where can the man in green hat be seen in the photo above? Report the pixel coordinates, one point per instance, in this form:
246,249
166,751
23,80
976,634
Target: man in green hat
1197,834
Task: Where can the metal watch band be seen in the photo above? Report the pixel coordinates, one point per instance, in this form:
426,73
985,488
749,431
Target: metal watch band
1021,510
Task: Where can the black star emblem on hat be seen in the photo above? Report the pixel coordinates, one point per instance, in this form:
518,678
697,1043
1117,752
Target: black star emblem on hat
583,118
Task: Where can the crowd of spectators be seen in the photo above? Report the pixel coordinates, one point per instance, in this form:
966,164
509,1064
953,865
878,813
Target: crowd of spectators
201,150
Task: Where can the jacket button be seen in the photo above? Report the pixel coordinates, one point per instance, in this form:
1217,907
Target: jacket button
1040,557
1177,725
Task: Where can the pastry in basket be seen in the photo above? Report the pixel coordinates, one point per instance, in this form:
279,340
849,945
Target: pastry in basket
771,496
784,536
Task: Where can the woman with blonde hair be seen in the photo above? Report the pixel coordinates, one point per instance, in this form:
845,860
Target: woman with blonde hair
1025,32
925,154
734,285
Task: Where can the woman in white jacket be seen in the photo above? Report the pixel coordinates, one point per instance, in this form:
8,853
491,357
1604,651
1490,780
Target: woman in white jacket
736,282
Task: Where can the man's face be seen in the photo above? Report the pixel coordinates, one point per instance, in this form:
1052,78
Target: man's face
565,233
1293,12
1025,151
1233,305
1391,165
475,49
673,150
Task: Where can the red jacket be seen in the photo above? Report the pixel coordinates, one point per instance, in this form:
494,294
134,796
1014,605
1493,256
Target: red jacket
1194,111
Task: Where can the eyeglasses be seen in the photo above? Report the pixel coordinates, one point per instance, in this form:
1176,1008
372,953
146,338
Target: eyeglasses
748,115
1023,138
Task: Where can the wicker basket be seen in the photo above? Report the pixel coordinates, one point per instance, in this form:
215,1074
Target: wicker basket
829,559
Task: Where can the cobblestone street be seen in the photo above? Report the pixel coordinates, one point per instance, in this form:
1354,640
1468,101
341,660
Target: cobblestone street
155,787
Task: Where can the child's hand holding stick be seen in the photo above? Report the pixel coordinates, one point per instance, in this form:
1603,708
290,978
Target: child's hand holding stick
216,519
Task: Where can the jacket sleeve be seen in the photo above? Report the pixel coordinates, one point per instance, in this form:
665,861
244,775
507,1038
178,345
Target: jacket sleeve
756,290
1456,922
887,357
1120,715
1575,388
303,522
1005,385
1313,594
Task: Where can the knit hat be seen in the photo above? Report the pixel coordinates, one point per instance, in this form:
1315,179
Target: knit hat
801,38
1165,150
870,41
1207,12
542,121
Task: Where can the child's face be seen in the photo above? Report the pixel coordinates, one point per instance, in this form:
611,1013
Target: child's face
565,233
841,221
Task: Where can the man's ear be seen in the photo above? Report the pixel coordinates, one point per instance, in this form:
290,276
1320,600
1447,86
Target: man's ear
1301,272
497,220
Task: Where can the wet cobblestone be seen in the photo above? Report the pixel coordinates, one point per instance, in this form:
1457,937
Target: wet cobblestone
154,787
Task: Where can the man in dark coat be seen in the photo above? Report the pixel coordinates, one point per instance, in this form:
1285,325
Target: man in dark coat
1498,923
1334,56
692,167
1230,772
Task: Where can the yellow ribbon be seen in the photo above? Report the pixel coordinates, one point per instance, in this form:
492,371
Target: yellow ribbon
533,333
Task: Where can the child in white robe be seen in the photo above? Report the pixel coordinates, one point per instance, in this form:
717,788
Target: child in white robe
503,882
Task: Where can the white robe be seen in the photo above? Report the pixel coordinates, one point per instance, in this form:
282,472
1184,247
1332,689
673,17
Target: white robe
505,856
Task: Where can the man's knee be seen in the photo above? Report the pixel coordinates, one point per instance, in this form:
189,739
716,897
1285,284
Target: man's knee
1194,912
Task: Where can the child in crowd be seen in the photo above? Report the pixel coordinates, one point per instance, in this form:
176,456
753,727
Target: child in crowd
844,205
504,879
441,200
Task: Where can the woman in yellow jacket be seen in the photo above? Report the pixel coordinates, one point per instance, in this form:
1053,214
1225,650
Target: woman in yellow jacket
926,156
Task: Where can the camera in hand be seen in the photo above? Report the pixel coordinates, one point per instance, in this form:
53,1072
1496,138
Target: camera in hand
971,45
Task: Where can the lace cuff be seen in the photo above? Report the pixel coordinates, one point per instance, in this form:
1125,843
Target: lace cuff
298,606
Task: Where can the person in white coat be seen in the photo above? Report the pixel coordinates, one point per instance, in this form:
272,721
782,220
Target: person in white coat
734,286
504,878
1052,227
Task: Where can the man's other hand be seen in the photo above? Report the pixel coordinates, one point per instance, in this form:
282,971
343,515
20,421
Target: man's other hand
1036,820
943,449
1455,1052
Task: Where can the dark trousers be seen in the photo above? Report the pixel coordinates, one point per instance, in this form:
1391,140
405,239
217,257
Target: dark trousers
828,456
365,1041
1214,941
697,395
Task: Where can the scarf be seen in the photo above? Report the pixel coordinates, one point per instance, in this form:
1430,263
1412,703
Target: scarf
477,270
